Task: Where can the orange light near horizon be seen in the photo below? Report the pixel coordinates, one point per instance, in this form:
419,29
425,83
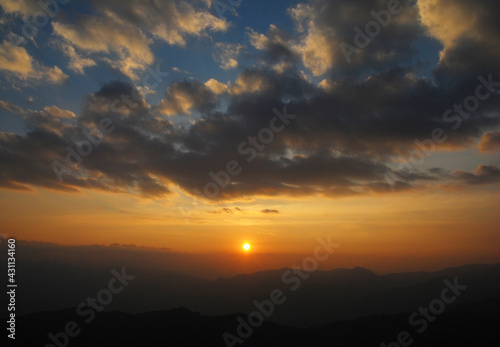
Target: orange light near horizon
246,247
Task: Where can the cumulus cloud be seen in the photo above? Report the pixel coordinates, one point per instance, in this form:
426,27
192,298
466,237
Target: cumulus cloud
441,19
351,130
48,139
146,155
484,174
182,97
22,7
325,25
171,21
468,31
316,47
333,149
490,142
110,36
216,86
16,61
77,62
122,35
249,82
276,48
226,54
52,75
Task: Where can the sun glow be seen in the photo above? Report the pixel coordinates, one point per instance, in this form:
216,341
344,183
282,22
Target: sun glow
246,246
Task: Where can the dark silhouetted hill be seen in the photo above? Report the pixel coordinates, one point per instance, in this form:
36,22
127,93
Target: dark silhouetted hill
324,297
466,325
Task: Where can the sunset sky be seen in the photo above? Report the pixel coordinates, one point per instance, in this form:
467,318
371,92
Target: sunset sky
391,146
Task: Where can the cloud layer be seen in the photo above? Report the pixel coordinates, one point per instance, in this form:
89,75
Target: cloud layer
357,126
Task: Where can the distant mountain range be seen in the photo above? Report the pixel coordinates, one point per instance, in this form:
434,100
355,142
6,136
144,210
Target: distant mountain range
322,298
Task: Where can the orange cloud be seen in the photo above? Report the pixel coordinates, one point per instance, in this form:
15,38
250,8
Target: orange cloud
16,61
490,142
57,112
122,35
216,86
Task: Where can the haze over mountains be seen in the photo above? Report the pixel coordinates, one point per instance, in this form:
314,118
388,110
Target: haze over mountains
342,307
311,298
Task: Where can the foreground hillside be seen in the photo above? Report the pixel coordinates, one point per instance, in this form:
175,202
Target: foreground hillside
465,325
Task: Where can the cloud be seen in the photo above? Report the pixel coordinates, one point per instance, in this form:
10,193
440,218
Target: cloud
77,63
337,147
326,84
323,27
316,48
57,112
182,97
226,54
249,82
25,170
216,86
48,138
145,154
8,106
109,36
222,210
16,61
467,30
122,35
276,49
441,19
490,142
53,75
484,174
22,7
152,187
360,123
168,20
268,211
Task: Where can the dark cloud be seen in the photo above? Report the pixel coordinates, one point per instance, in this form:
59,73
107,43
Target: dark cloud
268,211
329,26
336,147
470,36
350,133
222,210
275,46
187,96
484,174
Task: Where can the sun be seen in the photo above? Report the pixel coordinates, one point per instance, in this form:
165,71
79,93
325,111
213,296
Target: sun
246,246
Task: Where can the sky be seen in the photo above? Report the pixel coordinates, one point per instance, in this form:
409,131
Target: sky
193,127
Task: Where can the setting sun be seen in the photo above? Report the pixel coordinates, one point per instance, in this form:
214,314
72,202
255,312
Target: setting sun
246,246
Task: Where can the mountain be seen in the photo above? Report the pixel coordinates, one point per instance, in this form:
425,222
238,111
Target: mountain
319,298
467,325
